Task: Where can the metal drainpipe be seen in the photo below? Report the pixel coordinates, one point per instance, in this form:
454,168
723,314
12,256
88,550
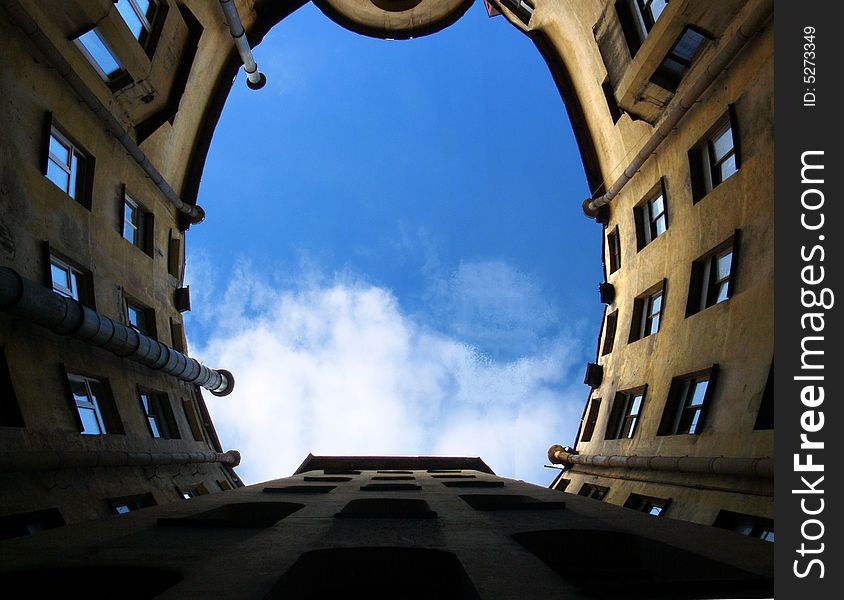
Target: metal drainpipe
22,19
65,316
254,78
762,468
51,460
759,14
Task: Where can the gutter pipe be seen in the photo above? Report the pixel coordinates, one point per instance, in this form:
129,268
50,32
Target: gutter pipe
18,461
22,19
759,12
65,316
255,80
762,468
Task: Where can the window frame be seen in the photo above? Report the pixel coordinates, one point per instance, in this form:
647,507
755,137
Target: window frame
681,396
148,329
644,314
614,250
594,491
142,227
93,403
704,284
623,422
610,331
76,171
702,159
114,80
670,80
158,411
646,504
590,419
146,20
646,221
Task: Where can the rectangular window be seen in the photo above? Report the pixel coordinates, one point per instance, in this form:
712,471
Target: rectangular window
624,418
647,504
651,217
650,11
70,281
715,158
637,18
679,59
609,332
66,165
591,420
598,492
758,527
140,318
159,414
94,405
138,16
125,504
765,416
133,223
10,412
713,277
29,523
614,250
688,400
193,491
647,313
99,55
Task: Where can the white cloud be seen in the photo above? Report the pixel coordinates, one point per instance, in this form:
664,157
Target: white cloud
336,367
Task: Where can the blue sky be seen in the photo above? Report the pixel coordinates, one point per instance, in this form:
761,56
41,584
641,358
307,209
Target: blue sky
394,259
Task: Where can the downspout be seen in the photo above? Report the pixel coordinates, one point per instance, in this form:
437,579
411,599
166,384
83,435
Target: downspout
22,19
40,305
759,12
254,78
762,468
18,461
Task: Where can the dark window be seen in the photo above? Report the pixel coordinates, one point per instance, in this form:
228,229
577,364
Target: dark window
679,59
127,504
88,581
591,419
340,573
159,415
10,412
624,418
689,399
637,18
241,514
29,523
614,250
387,508
509,502
765,416
614,564
390,487
713,276
715,158
609,333
651,217
647,313
598,492
647,504
299,489
94,405
758,527
474,483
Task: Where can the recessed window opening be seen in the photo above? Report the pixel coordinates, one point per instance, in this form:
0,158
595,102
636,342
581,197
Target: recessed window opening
647,504
590,490
679,59
88,394
688,400
138,16
624,419
591,420
99,55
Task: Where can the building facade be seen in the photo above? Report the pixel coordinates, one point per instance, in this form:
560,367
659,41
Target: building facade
389,527
109,112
